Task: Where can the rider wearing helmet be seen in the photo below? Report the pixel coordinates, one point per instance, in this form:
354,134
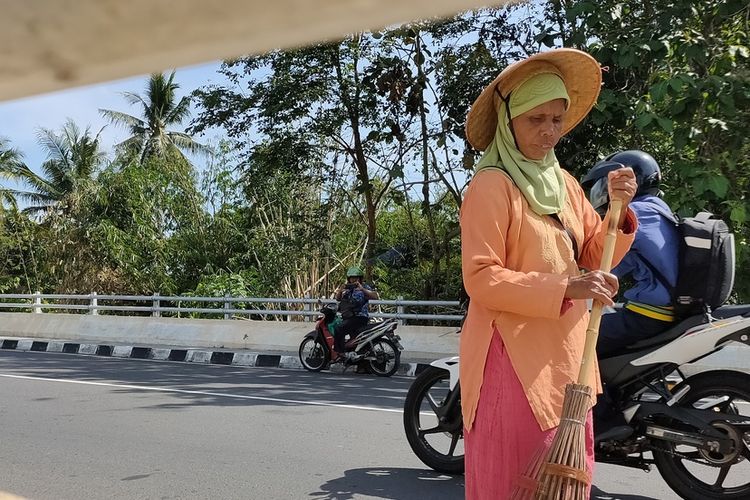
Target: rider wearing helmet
353,297
652,260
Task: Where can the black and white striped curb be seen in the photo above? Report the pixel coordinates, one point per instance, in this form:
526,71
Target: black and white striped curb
188,355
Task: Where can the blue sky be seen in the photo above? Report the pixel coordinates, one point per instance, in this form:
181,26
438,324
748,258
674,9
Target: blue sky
20,119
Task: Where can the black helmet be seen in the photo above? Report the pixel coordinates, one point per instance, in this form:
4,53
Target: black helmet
647,174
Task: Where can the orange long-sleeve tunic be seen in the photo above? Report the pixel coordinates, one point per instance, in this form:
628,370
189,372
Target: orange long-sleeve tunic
516,266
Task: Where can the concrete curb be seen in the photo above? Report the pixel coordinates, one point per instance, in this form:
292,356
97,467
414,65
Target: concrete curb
421,343
187,355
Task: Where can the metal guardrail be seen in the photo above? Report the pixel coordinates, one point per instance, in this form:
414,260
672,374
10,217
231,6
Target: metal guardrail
227,306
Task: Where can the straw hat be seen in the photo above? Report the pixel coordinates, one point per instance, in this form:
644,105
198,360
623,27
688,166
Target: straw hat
580,72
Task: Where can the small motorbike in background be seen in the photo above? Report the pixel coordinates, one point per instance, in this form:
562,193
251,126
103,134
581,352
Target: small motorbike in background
377,346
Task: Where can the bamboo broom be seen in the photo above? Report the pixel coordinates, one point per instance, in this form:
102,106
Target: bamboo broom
559,473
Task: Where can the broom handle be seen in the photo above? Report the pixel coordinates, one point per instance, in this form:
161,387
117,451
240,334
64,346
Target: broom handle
592,331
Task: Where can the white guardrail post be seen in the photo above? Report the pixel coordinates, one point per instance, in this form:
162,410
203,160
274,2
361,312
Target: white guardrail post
37,302
93,302
155,303
400,310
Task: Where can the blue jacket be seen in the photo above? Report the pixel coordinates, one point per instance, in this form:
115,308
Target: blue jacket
359,301
656,241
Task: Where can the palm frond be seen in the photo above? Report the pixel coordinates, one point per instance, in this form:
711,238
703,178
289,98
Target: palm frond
10,158
56,146
179,113
71,133
41,186
134,99
7,199
35,209
35,199
123,119
55,176
87,157
134,143
186,143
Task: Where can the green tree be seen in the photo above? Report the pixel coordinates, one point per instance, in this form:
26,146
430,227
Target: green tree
425,70
11,161
125,235
20,245
316,114
73,158
18,234
160,109
678,86
376,116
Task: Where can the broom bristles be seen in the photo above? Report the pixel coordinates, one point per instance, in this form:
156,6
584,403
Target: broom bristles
559,473
563,475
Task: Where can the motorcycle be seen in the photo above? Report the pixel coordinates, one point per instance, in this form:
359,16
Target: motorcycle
696,428
377,346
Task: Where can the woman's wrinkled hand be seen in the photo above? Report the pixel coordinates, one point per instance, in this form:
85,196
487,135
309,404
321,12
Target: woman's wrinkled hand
596,285
622,185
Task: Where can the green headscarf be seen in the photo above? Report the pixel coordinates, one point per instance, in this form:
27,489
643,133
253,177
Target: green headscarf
540,181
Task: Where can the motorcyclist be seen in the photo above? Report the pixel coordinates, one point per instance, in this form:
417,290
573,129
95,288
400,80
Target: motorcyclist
652,262
353,297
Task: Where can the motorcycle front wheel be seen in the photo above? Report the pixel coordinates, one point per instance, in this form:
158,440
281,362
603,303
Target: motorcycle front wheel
434,430
697,474
312,354
384,358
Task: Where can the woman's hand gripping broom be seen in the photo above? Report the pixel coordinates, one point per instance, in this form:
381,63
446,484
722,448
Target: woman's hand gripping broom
559,473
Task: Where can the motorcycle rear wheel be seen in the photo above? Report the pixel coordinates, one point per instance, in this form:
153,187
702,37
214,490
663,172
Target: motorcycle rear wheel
443,451
312,355
387,358
729,475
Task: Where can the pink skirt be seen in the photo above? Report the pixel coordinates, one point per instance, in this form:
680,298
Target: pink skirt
505,436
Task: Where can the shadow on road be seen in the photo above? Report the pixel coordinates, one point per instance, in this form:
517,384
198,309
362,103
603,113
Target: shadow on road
597,494
406,484
393,484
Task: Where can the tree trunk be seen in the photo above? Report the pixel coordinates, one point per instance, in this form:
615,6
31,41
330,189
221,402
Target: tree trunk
351,103
426,204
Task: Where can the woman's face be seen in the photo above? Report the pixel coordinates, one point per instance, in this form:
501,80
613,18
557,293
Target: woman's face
538,130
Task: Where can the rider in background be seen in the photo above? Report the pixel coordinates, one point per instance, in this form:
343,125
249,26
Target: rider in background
652,261
353,297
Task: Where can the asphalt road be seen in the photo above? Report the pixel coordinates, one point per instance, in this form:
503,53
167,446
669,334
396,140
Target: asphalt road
81,427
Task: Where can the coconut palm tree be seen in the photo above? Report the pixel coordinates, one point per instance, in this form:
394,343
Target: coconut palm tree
11,161
73,158
160,110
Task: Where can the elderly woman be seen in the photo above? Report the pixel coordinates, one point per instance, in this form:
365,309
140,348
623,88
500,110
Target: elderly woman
527,229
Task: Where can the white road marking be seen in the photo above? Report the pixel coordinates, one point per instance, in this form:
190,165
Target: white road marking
204,393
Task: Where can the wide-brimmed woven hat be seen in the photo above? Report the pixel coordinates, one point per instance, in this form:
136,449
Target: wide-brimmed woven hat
580,72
